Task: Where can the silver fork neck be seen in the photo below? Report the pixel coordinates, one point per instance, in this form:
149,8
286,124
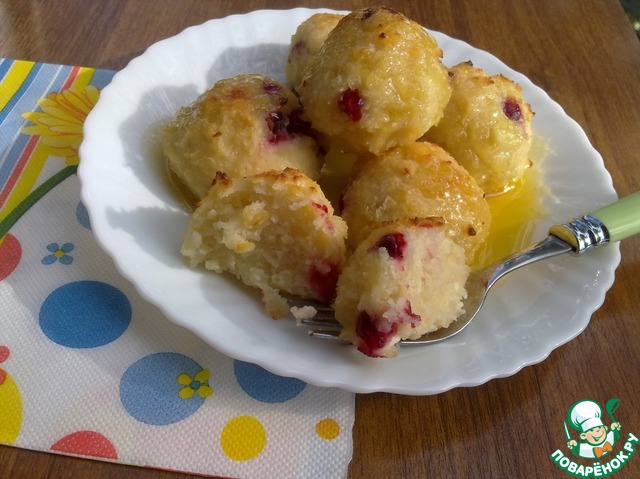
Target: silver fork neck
547,248
582,233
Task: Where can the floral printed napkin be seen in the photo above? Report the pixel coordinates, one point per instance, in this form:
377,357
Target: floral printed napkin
87,367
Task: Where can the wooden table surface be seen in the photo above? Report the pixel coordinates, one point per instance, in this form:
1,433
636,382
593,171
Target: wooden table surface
587,57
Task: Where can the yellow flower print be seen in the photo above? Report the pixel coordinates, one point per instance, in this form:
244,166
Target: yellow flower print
199,383
59,124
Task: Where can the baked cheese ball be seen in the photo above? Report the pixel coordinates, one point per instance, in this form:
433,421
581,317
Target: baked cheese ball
405,279
275,231
378,81
486,127
306,42
416,180
242,126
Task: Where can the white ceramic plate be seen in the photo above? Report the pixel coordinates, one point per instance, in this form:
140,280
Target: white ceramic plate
139,220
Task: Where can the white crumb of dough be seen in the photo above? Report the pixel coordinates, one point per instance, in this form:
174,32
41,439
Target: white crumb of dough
303,312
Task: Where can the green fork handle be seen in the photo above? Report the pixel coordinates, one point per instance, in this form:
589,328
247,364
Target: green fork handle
611,223
621,218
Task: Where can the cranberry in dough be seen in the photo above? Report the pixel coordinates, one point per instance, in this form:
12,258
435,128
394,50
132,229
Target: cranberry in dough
377,82
405,279
486,127
275,231
242,126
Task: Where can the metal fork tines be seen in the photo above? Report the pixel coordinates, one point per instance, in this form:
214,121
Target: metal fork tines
323,324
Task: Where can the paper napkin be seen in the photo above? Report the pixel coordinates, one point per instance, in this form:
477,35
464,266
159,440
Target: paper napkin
87,367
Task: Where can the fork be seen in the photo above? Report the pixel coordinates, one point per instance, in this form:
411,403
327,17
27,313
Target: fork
611,223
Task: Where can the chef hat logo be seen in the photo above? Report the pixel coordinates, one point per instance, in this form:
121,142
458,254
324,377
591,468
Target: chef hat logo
585,415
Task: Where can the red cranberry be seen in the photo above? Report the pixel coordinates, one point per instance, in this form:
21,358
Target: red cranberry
297,125
372,340
323,279
271,87
351,103
328,222
296,49
511,109
394,243
284,127
278,124
409,316
324,208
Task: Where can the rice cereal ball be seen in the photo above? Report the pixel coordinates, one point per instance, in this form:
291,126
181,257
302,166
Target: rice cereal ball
306,42
242,126
407,278
486,127
416,180
275,231
378,81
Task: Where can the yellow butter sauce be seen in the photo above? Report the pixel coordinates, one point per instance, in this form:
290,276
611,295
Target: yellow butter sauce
187,197
515,213
153,148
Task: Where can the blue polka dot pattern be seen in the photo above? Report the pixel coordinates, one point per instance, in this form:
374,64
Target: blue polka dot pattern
264,386
82,215
85,314
149,389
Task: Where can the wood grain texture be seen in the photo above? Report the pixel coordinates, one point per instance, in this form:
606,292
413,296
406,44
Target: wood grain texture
587,57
